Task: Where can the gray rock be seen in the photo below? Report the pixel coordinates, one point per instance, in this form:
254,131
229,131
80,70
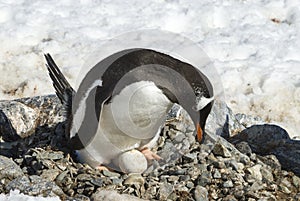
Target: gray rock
232,163
266,174
228,184
284,189
134,179
296,181
222,121
110,195
9,169
173,178
217,174
204,178
200,193
244,148
285,182
254,173
256,186
270,160
110,173
7,131
238,194
117,181
229,198
244,159
165,191
27,113
50,174
220,150
271,139
297,197
190,184
35,186
194,166
22,117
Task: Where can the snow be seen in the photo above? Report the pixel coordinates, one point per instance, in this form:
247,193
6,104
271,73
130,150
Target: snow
16,195
254,45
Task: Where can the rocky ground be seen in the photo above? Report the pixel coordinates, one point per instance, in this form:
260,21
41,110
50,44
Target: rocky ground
249,161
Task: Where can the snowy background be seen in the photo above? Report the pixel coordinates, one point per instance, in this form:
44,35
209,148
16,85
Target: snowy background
254,44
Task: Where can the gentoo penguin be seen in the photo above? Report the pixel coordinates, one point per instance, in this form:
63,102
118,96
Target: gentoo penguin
116,115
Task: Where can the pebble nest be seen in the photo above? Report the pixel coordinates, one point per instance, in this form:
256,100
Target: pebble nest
39,162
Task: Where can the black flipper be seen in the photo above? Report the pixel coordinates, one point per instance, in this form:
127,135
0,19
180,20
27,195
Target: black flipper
63,89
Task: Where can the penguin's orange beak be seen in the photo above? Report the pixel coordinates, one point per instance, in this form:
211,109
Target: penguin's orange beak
199,133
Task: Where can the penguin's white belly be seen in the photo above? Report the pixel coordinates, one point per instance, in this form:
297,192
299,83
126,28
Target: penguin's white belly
132,120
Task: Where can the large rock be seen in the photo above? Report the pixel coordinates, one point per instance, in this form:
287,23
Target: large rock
22,116
272,140
35,186
9,169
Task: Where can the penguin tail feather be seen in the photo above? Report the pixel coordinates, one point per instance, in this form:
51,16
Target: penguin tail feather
63,89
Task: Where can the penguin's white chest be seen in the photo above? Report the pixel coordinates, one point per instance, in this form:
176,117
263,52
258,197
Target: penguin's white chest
135,115
132,119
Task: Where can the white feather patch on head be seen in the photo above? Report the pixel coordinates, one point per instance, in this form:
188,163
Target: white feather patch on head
79,113
203,102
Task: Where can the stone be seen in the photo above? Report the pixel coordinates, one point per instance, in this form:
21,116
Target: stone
271,160
220,150
189,175
244,159
200,193
173,178
165,190
217,174
296,181
269,139
190,184
110,173
50,155
284,189
204,178
255,186
229,198
285,182
267,175
228,184
234,165
7,131
26,114
134,179
254,172
9,169
117,181
97,182
244,148
239,194
35,186
50,174
222,121
111,195
22,118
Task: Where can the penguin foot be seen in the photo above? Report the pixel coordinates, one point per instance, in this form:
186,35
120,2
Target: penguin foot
150,155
